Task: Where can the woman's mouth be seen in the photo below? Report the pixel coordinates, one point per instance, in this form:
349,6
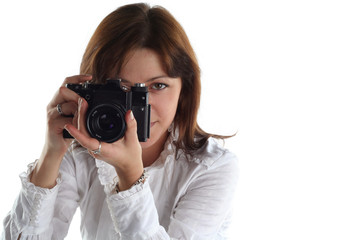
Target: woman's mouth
152,124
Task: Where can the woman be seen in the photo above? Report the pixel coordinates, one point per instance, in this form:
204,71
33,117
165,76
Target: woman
178,184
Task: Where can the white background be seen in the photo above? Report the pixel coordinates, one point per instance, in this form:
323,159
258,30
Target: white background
284,75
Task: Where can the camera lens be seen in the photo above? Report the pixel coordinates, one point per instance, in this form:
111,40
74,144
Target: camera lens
106,122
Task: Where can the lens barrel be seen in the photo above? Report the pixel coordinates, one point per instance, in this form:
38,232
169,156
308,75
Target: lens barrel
106,122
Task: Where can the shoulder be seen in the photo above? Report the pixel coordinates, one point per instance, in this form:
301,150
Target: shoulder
213,155
211,168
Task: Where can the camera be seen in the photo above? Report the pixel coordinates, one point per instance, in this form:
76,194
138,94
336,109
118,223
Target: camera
108,103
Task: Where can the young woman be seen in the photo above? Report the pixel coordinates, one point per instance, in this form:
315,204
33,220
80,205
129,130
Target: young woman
179,184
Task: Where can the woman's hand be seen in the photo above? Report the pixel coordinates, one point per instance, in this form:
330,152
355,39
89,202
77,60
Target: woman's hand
125,154
55,147
68,101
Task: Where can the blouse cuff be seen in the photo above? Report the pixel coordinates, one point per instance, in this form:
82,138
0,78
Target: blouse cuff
37,204
134,213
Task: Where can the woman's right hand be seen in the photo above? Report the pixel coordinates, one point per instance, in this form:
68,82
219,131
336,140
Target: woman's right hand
55,147
68,100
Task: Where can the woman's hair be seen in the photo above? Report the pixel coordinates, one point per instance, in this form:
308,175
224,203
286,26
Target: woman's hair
137,26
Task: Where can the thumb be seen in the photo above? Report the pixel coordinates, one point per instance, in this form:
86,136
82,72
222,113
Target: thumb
82,108
131,131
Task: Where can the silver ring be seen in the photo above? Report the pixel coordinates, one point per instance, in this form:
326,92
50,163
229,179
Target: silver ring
97,151
58,108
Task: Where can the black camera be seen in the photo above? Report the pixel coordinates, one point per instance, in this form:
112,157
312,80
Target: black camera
108,103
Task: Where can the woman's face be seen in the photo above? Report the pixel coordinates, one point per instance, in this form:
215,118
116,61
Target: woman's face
144,66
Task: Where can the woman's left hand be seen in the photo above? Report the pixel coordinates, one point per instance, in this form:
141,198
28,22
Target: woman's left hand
125,154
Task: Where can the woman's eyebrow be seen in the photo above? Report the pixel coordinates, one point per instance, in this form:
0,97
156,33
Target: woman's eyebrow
149,80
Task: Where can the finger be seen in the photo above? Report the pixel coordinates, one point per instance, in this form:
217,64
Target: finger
58,124
64,95
76,79
53,113
75,120
85,141
131,131
81,120
68,108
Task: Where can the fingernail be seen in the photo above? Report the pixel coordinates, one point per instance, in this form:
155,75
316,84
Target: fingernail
131,115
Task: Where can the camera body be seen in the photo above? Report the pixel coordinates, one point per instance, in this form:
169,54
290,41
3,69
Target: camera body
108,103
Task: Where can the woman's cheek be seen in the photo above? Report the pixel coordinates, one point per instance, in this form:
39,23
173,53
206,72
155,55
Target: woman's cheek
168,106
164,105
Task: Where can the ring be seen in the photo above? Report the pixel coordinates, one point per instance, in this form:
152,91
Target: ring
97,151
58,108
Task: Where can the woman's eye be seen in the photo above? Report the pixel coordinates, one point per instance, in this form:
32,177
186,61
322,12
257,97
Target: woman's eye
158,86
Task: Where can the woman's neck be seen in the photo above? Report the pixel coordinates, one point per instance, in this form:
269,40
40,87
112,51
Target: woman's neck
152,153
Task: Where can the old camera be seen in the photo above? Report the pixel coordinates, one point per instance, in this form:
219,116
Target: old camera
108,103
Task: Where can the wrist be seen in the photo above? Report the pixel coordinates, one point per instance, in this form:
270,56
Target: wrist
46,170
45,173
53,153
126,183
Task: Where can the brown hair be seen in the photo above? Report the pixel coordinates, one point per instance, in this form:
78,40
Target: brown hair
138,26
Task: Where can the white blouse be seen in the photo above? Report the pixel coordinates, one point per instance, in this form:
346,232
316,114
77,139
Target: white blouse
183,198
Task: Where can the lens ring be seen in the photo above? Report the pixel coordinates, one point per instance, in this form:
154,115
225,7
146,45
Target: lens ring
106,122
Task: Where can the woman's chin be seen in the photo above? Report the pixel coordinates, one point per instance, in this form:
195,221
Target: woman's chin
147,144
155,138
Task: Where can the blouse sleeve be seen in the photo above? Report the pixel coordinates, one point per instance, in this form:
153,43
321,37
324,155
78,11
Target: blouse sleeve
134,214
199,214
36,210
